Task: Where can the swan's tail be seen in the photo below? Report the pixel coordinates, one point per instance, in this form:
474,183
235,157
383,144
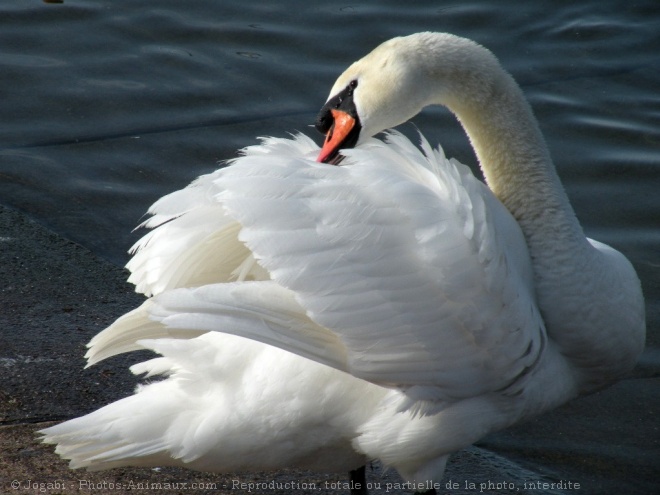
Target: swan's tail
223,397
185,418
119,434
196,417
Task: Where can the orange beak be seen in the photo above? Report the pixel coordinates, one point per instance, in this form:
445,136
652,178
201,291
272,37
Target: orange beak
343,123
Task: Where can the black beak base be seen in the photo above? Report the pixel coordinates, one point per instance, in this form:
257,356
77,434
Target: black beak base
344,102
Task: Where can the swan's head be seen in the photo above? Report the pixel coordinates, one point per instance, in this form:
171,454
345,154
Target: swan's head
370,96
393,83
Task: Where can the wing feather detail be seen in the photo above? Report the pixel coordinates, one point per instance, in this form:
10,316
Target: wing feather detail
421,273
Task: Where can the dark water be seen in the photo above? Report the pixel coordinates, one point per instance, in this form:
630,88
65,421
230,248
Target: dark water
107,105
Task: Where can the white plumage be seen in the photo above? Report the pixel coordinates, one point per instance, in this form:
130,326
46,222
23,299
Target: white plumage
417,308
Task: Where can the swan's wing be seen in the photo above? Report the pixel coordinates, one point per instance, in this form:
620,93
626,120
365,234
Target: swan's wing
419,277
414,265
260,310
193,242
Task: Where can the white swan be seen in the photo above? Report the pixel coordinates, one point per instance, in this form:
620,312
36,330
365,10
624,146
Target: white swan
422,309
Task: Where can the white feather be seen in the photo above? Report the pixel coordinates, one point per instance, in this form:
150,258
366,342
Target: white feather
395,306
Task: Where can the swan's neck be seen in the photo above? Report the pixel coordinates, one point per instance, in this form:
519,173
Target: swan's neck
567,267
517,166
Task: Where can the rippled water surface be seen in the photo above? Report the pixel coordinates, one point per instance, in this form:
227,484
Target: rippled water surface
108,105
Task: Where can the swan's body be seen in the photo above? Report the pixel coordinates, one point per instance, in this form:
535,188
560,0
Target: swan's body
422,310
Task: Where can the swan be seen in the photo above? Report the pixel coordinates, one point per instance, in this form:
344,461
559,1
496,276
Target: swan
391,307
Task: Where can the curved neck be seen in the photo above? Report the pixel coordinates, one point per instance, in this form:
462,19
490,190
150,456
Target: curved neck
517,166
568,268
